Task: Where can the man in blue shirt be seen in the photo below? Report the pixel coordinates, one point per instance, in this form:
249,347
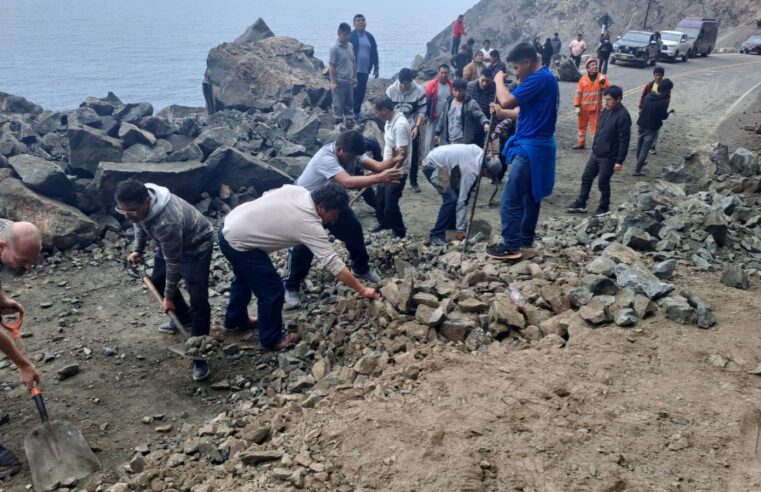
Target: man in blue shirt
531,151
366,54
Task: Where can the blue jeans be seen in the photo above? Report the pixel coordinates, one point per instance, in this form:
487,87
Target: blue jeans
359,93
518,210
346,229
254,272
448,210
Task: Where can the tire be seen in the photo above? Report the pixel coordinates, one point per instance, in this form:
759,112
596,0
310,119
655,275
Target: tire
612,61
684,57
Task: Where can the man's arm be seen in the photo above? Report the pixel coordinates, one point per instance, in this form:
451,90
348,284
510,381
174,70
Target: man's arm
378,167
624,136
478,115
332,74
358,182
27,372
351,281
504,96
169,238
141,238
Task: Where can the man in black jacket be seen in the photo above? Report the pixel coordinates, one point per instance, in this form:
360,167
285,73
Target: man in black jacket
654,111
608,151
366,56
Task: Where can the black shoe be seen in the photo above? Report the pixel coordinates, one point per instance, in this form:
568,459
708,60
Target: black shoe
379,227
400,234
601,212
9,463
578,147
501,252
415,188
200,370
577,207
638,173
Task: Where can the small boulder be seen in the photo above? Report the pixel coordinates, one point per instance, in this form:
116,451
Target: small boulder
88,147
43,177
131,134
734,276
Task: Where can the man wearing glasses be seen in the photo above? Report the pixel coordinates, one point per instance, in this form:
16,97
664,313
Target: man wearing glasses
184,245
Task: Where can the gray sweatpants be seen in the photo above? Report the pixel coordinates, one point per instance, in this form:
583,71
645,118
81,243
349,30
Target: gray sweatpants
343,101
645,141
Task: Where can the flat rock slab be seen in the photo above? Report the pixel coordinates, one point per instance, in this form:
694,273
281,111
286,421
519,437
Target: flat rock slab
185,179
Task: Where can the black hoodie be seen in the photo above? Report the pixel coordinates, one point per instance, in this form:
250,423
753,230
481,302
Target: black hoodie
653,112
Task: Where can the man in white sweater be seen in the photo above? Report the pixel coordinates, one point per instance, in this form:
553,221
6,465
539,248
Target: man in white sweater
280,219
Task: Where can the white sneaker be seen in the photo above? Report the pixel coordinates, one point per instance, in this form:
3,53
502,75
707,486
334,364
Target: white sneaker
370,276
292,299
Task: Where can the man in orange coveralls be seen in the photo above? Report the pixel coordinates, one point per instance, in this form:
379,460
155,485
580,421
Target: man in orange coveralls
588,100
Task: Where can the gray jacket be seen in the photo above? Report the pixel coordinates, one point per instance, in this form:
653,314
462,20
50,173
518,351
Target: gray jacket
177,228
471,116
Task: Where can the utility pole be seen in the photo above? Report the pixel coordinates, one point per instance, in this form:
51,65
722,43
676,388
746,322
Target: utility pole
647,13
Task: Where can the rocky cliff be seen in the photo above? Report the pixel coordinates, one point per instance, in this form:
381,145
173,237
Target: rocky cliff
505,22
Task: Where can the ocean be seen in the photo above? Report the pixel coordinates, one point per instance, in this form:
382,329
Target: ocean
57,52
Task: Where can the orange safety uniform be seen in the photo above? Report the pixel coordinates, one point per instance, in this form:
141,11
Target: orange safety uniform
589,100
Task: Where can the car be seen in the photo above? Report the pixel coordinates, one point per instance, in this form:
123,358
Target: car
636,47
703,33
675,45
751,45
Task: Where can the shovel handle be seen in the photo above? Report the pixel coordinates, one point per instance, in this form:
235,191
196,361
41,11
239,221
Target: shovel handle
152,289
14,327
37,397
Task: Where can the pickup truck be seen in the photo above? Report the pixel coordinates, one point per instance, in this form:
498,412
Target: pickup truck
675,45
636,47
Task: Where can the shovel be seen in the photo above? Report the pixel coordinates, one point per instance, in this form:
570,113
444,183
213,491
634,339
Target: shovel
56,451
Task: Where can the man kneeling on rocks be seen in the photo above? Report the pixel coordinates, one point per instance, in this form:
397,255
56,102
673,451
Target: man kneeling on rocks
330,164
453,171
281,218
184,243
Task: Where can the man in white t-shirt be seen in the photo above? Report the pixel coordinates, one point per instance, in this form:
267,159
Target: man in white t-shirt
486,50
398,137
577,47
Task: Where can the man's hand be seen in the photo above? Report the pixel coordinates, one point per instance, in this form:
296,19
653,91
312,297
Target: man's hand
369,293
459,235
135,258
29,375
415,131
617,167
436,140
486,128
167,305
494,108
392,175
334,86
577,110
375,73
8,305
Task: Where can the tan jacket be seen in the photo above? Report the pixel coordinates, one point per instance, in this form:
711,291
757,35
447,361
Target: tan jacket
472,71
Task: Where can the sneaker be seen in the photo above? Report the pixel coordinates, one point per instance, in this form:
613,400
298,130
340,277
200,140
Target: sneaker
378,228
9,463
501,252
415,188
292,298
169,327
578,146
601,212
200,370
638,173
370,276
653,151
577,207
250,325
437,241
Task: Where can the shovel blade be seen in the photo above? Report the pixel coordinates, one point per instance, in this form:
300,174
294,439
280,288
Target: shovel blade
57,451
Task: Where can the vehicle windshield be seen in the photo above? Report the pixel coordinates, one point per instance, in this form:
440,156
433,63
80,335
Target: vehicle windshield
671,36
692,32
754,39
637,36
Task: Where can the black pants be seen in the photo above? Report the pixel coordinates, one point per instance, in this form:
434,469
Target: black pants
604,65
347,229
602,169
455,45
359,92
576,60
388,212
194,270
415,160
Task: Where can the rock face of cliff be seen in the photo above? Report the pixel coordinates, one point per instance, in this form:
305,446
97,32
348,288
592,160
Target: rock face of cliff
506,22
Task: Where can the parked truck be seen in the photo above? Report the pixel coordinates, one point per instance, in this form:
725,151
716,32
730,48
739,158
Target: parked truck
702,31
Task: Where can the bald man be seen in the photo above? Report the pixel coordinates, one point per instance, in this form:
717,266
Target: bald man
20,246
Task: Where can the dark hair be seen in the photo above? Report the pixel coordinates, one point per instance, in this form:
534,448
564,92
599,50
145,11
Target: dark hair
405,75
459,84
470,41
521,52
332,196
461,16
659,70
615,92
358,16
131,191
488,72
344,27
494,54
556,34
444,65
665,86
383,102
352,142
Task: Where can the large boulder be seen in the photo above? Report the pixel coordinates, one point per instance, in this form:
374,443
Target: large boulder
185,179
133,112
62,226
699,169
131,134
567,71
17,104
234,168
88,147
44,177
256,75
256,32
104,106
304,132
744,162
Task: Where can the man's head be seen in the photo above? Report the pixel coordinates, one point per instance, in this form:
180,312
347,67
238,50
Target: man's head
459,86
443,73
478,57
384,108
344,31
493,168
592,66
658,74
555,35
405,79
349,145
463,49
360,23
460,17
486,44
494,54
20,245
612,97
523,59
579,36
132,200
665,87
486,79
329,200
470,42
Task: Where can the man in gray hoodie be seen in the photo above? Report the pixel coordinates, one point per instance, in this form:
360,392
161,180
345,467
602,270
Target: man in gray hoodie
184,243
409,99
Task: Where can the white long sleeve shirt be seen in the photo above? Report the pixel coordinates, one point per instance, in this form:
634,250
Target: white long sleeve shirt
443,160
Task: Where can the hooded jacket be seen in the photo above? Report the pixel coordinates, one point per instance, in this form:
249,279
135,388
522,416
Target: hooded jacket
354,40
613,135
411,103
647,90
471,115
654,111
177,228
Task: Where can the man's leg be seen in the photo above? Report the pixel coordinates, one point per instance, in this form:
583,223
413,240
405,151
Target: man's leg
430,129
195,272
236,314
359,93
603,182
393,213
583,123
590,173
380,209
348,230
299,263
446,211
158,278
530,219
593,122
455,45
513,203
414,163
643,144
337,104
348,102
655,141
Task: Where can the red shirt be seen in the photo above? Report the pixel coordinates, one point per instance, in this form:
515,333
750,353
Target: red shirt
458,29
